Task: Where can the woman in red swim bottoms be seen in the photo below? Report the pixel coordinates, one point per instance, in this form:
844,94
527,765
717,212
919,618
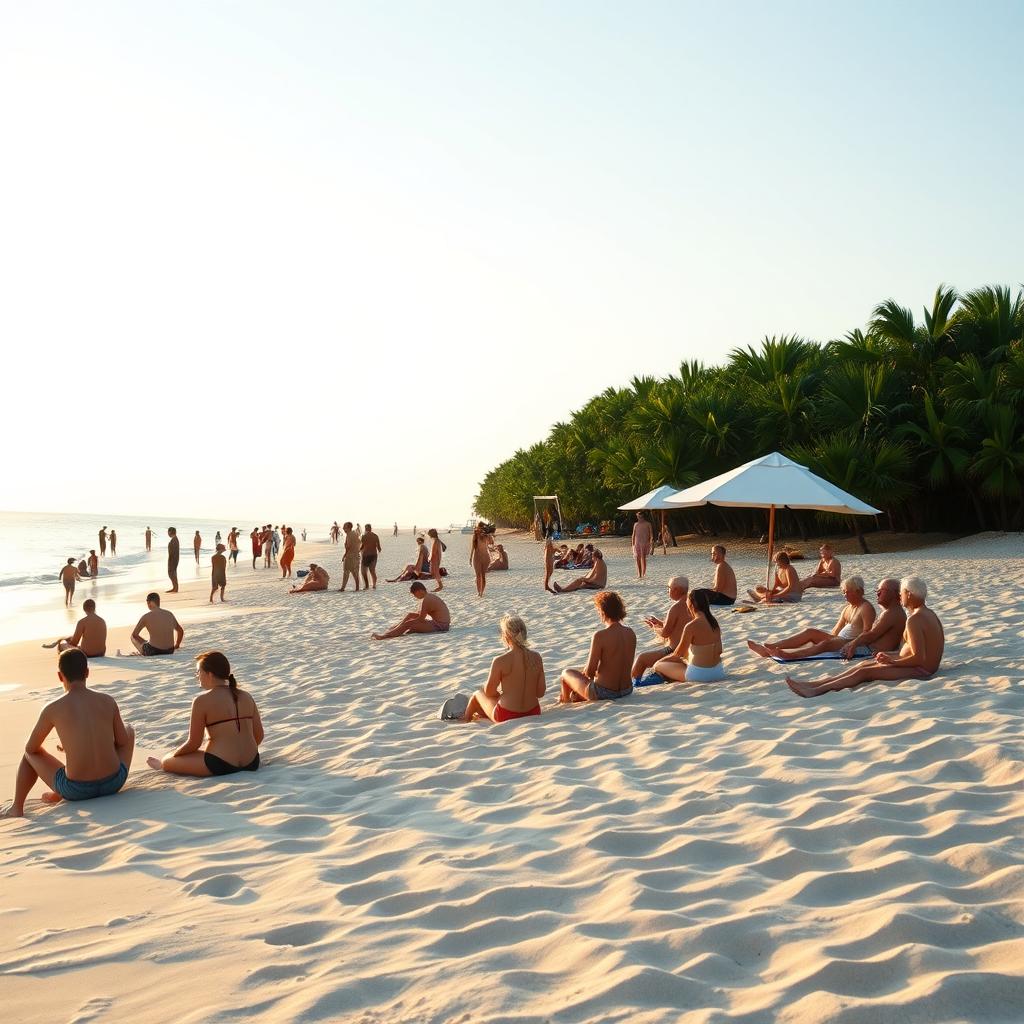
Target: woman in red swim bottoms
515,683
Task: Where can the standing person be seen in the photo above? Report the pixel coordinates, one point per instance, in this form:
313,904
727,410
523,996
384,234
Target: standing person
94,563
275,543
369,549
303,535
257,544
479,557
268,540
394,532
103,542
436,548
350,560
288,553
643,538
233,545
549,563
334,532
216,539
197,543
149,539
69,576
96,742
113,543
173,554
219,575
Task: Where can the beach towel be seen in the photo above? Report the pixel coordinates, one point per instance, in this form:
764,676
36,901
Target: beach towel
827,656
651,679
454,708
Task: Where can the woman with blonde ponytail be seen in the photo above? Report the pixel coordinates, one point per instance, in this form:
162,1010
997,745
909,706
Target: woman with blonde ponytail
515,683
225,713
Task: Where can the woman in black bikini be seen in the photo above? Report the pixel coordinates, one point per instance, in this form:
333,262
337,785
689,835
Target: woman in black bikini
228,715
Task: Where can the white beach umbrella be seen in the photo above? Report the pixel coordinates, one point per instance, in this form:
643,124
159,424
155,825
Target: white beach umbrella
656,500
771,482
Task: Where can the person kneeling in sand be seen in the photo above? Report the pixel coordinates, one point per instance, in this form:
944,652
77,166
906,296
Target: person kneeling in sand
606,674
856,618
827,573
698,658
316,579
90,635
97,744
227,715
515,683
165,633
433,616
669,631
919,658
786,589
596,579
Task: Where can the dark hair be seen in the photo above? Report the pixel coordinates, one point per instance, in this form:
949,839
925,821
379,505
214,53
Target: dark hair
88,605
71,561
417,587
171,529
154,598
347,526
217,665
431,532
369,526
782,558
610,605
701,600
73,665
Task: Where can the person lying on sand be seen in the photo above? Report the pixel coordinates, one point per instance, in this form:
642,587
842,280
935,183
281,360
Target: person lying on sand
919,658
316,579
786,588
97,744
515,683
418,568
227,715
723,586
856,618
432,617
698,658
90,635
827,574
669,630
499,559
165,634
596,579
606,674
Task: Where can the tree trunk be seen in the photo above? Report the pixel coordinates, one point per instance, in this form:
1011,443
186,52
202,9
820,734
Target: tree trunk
860,536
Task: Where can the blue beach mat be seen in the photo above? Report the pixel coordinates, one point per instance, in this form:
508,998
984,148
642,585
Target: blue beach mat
650,680
827,656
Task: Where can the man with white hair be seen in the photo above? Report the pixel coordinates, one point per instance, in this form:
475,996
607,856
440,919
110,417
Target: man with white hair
856,618
919,658
668,631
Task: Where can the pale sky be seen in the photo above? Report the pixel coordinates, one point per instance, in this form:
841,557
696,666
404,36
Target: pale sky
312,260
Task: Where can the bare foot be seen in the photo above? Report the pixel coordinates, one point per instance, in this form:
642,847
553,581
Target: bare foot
762,649
51,798
376,636
558,588
155,763
800,689
13,812
753,597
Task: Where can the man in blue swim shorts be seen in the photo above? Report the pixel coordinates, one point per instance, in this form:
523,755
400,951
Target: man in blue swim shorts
97,744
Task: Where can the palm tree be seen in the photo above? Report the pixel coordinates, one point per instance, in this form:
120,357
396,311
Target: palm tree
999,463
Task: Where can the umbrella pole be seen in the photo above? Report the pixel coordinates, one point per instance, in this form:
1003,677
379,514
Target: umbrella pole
771,547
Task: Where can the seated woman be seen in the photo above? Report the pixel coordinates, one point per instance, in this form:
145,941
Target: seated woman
787,588
228,715
417,569
607,672
562,557
515,683
499,559
698,658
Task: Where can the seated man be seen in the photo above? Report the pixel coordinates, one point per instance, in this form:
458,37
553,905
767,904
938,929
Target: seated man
432,617
786,588
499,559
723,586
97,744
885,634
584,557
90,635
316,579
596,579
165,634
856,618
668,631
827,574
919,658
606,674
563,556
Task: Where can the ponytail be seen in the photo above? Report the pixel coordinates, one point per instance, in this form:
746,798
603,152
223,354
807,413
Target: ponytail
701,602
233,687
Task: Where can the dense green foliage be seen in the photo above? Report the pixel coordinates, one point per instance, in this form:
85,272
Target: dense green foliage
920,418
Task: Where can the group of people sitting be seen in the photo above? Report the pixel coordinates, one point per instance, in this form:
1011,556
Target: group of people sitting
787,587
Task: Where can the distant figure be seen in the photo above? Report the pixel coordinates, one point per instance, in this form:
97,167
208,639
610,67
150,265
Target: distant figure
267,537
233,536
69,576
479,557
96,742
550,552
275,543
394,532
723,587
197,543
216,539
437,547
90,635
369,549
606,674
317,579
83,568
350,560
698,657
499,559
666,536
103,542
219,573
227,715
786,589
827,573
149,539
920,657
515,683
165,633
643,542
303,535
668,630
419,567
94,563
596,579
173,554
113,543
432,616
256,540
287,553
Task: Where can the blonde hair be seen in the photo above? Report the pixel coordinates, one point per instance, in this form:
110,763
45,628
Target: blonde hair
513,630
856,582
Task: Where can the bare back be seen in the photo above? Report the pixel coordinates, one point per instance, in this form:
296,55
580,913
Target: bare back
88,724
232,730
435,609
612,650
598,576
725,580
521,679
924,634
90,636
160,624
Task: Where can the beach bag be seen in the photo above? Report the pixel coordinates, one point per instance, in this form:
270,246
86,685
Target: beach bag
454,708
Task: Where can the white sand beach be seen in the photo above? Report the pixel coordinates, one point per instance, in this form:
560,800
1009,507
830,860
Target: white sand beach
726,852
